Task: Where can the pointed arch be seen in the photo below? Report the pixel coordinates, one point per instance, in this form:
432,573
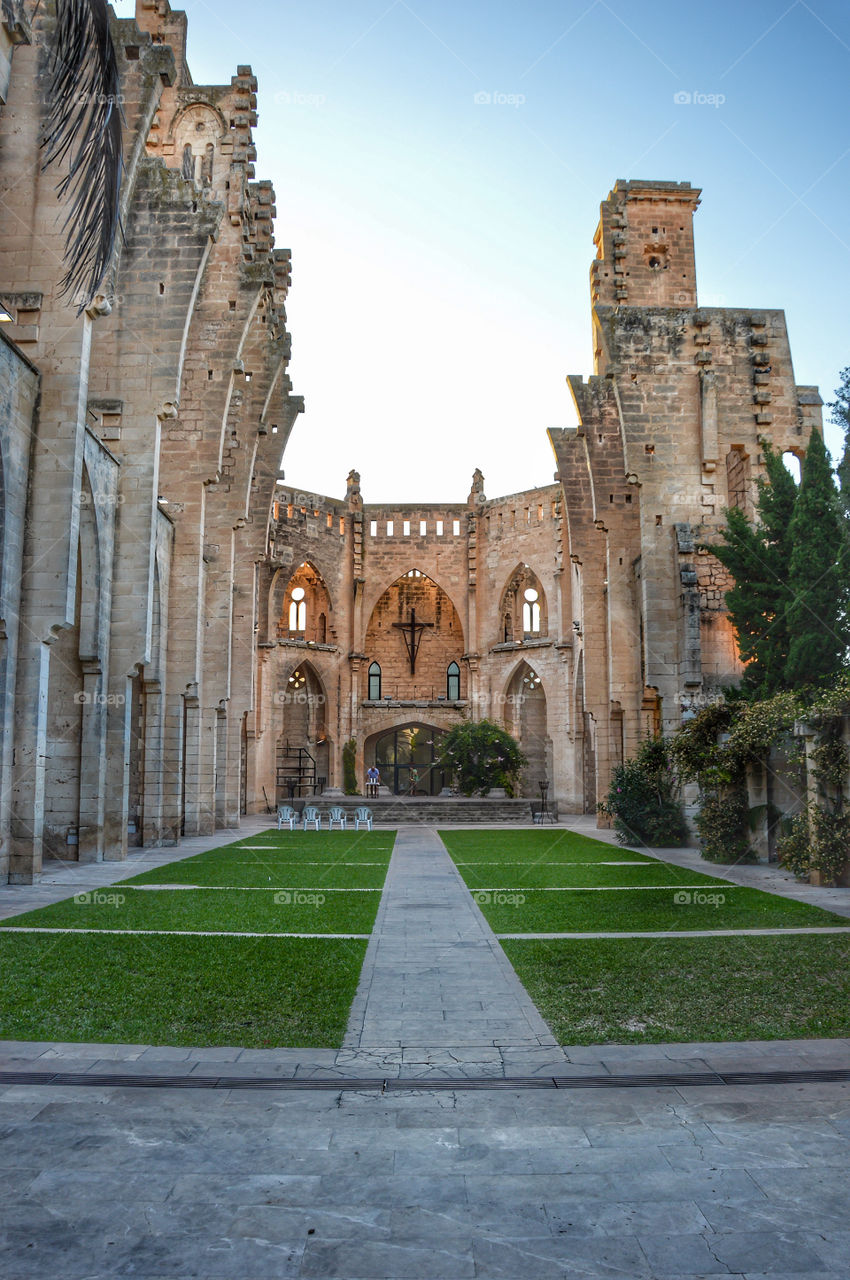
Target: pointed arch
526,718
312,617
523,607
414,632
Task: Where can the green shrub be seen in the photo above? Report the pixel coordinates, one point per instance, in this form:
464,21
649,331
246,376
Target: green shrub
349,768
794,846
644,798
723,824
831,843
478,755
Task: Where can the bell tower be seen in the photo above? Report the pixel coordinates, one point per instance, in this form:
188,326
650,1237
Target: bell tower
645,246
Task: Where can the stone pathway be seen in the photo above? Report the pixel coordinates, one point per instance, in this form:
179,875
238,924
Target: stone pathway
435,981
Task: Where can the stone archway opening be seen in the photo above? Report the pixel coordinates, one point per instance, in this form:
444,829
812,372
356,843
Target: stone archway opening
302,765
527,721
406,758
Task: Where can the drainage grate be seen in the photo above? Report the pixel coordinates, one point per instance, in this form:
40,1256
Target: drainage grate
406,1083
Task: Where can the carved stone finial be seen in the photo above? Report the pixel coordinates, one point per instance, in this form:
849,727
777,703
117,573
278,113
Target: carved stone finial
476,493
355,501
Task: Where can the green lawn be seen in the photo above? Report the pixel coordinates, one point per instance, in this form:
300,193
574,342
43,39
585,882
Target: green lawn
520,910
285,859
257,992
518,879
634,990
232,910
549,845
625,990
536,875
187,990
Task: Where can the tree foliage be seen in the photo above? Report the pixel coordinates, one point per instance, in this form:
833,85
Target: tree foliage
757,555
816,612
839,413
479,756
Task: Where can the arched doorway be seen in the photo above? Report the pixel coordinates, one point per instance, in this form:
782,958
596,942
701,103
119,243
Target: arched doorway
303,748
527,721
406,758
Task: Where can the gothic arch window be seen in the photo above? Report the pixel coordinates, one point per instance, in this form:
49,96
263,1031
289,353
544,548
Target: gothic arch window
523,610
453,682
322,628
374,682
297,610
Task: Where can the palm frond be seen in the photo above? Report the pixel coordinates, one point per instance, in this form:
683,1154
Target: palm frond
84,128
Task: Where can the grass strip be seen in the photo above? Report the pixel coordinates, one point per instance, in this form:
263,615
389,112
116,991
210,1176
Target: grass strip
487,875
275,911
334,859
633,990
730,907
547,845
259,993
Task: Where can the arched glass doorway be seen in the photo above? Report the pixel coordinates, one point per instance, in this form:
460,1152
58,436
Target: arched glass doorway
406,759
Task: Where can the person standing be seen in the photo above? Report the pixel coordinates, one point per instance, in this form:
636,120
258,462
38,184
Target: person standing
373,777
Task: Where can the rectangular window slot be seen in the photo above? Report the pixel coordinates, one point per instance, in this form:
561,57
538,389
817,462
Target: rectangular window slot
406,528
439,528
423,528
455,527
390,528
373,528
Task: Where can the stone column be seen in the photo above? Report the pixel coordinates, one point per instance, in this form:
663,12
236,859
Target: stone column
92,764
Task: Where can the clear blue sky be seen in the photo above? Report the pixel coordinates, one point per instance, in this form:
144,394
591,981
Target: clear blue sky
441,245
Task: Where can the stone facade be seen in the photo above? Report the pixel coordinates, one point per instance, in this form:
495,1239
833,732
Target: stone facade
129,579
632,631
183,633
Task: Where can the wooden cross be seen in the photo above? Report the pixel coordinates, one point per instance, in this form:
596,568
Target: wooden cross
412,632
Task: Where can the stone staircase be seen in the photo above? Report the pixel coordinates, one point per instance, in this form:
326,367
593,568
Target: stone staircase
431,810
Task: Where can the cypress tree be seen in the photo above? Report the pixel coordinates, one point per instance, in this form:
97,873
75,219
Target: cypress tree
840,414
816,612
757,556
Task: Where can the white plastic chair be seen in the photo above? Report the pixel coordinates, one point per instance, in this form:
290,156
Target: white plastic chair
364,815
286,814
336,814
311,815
